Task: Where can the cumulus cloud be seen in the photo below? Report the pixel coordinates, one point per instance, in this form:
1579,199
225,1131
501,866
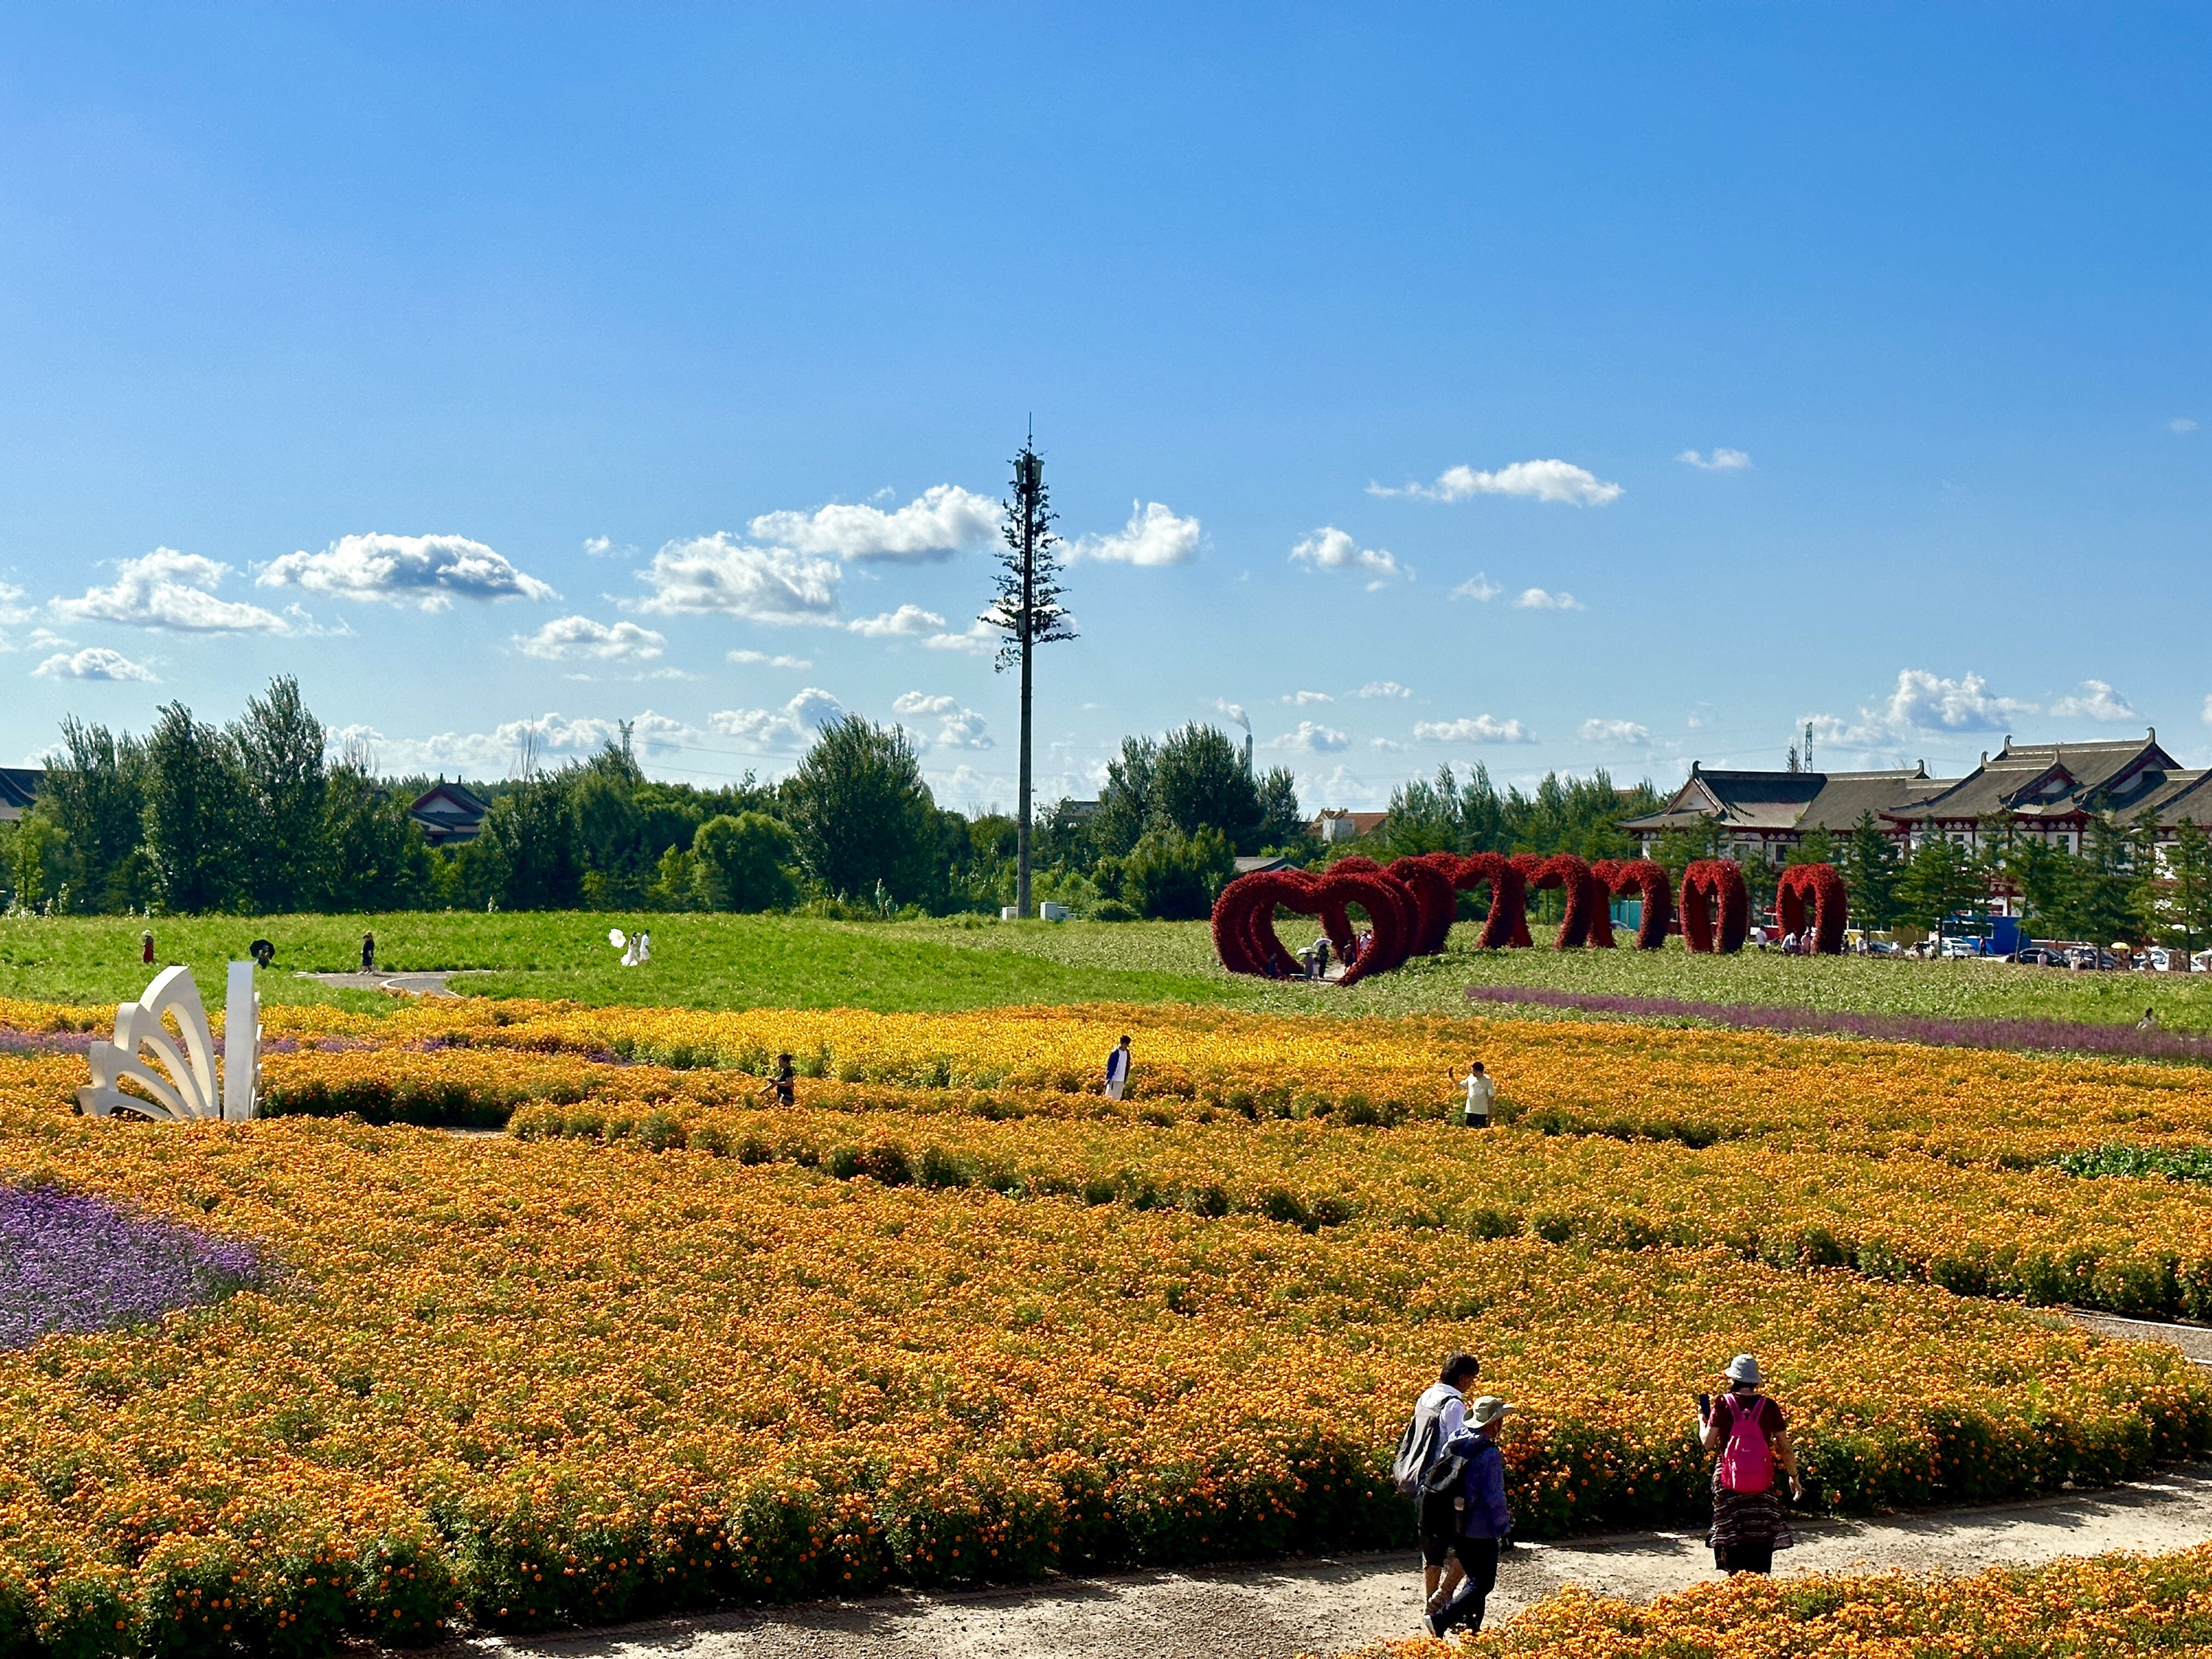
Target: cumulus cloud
908,619
1301,699
1623,733
571,638
94,662
1331,548
1922,701
1481,729
788,729
174,591
957,727
763,659
1536,598
1153,536
944,520
427,572
1384,688
2093,699
980,639
1720,460
1542,480
1478,587
1312,738
716,575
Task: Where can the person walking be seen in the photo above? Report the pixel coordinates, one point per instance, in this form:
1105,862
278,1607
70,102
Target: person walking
1480,1092
1117,1069
1486,1524
1438,1415
1751,1437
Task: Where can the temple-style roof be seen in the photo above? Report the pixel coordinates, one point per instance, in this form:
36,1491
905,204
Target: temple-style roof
1786,802
2052,781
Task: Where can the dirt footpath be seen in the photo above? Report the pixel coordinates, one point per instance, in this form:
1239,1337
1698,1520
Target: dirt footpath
1285,1608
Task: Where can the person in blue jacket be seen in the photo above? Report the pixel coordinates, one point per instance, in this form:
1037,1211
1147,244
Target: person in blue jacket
1485,1522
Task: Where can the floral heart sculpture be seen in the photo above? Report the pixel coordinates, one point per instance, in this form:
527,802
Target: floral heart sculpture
1509,897
1428,877
1244,919
1647,880
1715,907
1831,905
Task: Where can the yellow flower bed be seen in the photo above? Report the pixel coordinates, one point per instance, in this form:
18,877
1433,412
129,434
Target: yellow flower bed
2114,1608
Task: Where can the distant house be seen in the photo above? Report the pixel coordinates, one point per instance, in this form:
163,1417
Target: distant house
449,813
19,787
1336,826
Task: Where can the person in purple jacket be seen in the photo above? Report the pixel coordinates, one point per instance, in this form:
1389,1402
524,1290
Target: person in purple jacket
1485,1522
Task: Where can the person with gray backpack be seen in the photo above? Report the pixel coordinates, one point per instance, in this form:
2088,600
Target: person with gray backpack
1438,1415
1752,1437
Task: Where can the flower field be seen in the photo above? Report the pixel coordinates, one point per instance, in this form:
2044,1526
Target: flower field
660,1344
2115,1607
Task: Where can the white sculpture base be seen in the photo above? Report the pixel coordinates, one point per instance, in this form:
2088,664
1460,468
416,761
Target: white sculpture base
185,1088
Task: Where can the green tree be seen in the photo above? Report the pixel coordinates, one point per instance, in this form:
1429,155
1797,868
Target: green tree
862,814
194,788
278,820
744,862
1870,873
1939,880
1199,781
94,799
1176,877
376,858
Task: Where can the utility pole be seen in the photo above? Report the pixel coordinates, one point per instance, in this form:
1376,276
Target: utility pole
1028,611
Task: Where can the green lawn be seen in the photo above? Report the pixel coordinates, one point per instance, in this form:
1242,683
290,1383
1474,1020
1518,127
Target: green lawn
735,962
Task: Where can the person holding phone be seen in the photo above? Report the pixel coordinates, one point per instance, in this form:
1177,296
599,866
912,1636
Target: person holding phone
1752,1437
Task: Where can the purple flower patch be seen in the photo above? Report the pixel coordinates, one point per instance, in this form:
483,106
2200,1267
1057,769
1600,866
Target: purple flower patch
2025,1036
73,1263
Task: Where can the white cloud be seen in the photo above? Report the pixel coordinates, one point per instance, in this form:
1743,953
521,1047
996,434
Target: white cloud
1312,738
763,659
1626,733
1478,587
908,619
94,662
2093,699
172,590
571,637
1153,535
1536,598
1720,460
1481,729
1922,701
715,576
1384,688
1330,549
2182,425
790,728
980,641
427,572
944,520
1301,699
1542,480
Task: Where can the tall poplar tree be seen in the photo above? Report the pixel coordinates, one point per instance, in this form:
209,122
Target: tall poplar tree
1028,611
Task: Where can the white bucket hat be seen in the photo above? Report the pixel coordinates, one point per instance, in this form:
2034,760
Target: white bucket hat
1487,1411
1743,1368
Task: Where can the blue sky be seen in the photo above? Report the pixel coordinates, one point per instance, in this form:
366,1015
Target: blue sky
1546,387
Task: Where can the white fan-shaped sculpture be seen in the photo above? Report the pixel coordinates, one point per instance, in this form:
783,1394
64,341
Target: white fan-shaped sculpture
185,1088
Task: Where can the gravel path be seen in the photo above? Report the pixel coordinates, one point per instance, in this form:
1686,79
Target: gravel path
1280,1608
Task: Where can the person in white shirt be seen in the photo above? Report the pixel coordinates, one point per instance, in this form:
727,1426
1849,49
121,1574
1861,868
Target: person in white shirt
1117,1070
1480,1091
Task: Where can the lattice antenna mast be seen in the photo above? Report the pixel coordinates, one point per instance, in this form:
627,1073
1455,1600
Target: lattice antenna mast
1028,612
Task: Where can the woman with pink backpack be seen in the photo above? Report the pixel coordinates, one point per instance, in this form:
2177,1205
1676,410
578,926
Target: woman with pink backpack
1753,1438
